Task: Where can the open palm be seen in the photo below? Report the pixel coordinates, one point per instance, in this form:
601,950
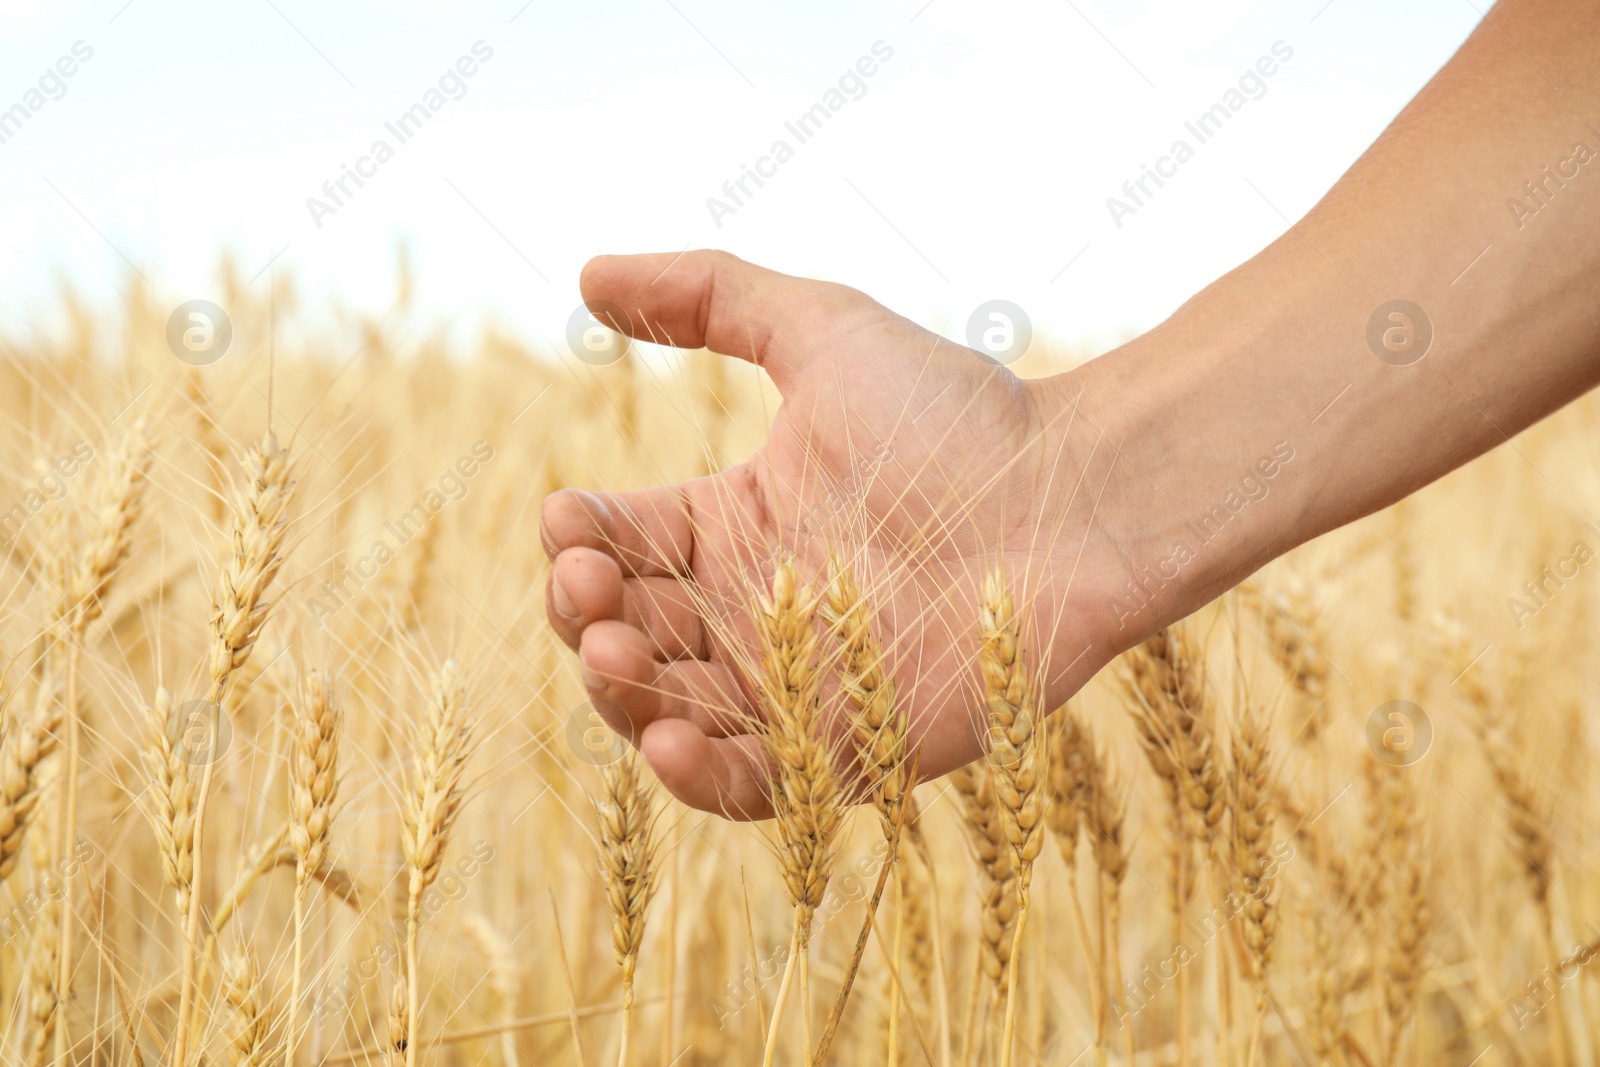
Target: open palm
918,463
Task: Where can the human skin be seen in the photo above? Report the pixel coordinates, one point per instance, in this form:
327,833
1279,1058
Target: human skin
1081,483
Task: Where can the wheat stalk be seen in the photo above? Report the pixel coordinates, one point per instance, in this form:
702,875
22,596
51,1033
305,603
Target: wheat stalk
627,869
1401,961
313,786
1070,799
1253,801
169,795
85,582
1018,760
1174,716
1105,811
501,959
806,796
879,727
239,608
441,744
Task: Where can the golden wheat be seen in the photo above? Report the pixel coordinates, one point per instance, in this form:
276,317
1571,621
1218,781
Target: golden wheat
1246,740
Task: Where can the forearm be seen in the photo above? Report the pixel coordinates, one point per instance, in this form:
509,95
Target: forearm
1277,353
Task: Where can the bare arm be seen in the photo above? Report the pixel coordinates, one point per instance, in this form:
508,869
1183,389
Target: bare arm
1283,401
1480,205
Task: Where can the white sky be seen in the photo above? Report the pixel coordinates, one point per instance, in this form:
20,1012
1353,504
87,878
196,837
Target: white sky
977,165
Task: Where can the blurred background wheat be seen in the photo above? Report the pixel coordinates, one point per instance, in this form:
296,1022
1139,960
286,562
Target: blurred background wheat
294,771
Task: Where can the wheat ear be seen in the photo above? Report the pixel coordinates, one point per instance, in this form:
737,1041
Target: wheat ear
1253,800
1294,635
879,728
1105,812
1069,800
806,797
398,1020
1174,715
313,786
169,795
44,998
258,528
1018,759
1402,963
627,870
996,873
1528,821
116,503
29,738
441,743
252,1020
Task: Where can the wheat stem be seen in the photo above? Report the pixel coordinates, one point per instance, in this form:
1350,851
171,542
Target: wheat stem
771,1048
239,610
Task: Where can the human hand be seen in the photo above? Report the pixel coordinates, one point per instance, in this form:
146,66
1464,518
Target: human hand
957,465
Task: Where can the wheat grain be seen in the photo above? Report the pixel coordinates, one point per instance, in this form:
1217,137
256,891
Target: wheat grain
996,871
1252,800
313,786
29,738
43,998
441,744
170,794
879,727
402,1033
806,795
251,1025
627,869
239,608
256,542
84,584
314,782
1295,638
1018,759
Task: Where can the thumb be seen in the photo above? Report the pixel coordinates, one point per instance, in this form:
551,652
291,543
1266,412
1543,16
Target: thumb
711,299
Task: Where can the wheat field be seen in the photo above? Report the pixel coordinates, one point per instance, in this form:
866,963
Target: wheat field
294,771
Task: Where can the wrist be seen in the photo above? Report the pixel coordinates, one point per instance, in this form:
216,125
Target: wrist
1208,417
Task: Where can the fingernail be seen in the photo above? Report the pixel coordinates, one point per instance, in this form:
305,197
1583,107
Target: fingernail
563,603
591,680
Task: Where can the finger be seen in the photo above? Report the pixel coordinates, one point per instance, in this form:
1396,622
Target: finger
650,532
724,776
586,586
620,671
718,301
